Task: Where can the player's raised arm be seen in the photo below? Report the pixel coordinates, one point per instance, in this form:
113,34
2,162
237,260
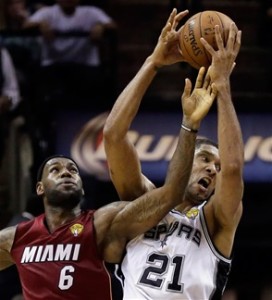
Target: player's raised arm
225,208
145,212
123,161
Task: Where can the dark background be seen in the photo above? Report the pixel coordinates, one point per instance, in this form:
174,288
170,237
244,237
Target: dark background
139,25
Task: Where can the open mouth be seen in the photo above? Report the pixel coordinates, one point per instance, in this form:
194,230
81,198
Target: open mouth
204,182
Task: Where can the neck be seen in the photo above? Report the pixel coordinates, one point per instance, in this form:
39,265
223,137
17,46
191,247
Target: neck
184,207
68,10
56,216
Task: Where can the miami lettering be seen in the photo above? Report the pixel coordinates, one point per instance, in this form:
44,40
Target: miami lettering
68,252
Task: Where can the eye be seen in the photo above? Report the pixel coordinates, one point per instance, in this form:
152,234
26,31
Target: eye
204,158
217,167
74,170
54,170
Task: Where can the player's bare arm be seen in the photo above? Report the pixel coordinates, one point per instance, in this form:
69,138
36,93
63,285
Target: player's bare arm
6,240
123,161
145,212
225,208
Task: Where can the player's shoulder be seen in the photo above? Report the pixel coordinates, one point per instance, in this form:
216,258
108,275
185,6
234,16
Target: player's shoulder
105,215
112,207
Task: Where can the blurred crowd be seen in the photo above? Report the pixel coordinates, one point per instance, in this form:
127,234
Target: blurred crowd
54,54
57,54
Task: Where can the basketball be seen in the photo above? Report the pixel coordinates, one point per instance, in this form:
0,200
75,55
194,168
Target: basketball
200,25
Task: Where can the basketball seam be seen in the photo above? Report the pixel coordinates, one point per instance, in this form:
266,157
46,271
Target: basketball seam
222,26
200,29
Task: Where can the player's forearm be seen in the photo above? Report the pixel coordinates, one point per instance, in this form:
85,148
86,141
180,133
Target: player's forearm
180,166
229,131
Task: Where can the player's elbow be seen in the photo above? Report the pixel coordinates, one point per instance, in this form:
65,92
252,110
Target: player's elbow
108,131
111,134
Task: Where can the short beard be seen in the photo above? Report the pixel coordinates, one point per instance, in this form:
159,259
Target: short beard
67,200
193,198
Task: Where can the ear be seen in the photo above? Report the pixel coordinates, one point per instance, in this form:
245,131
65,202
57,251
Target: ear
39,188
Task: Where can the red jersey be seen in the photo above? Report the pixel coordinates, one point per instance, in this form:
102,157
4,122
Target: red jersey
64,264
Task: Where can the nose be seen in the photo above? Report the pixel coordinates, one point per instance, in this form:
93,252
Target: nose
211,168
65,173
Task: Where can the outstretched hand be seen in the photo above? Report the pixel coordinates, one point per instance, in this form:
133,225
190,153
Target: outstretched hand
223,59
197,103
167,50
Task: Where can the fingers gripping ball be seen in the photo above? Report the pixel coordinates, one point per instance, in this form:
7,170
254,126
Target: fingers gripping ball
200,25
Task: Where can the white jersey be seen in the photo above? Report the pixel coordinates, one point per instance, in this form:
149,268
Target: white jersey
175,260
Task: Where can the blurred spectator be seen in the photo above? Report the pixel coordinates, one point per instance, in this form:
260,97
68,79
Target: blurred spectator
10,286
72,73
16,13
9,97
24,49
99,3
70,56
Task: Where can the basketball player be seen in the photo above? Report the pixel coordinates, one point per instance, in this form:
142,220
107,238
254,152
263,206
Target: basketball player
61,254
188,254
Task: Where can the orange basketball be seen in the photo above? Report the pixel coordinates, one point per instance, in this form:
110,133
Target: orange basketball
200,25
